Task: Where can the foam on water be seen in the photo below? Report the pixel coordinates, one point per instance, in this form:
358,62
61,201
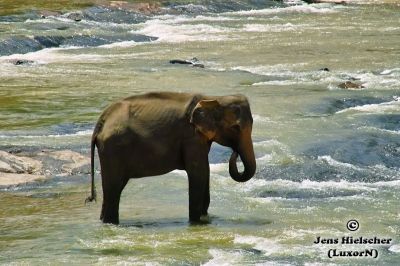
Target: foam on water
52,55
308,186
218,167
277,83
382,130
60,54
169,31
392,106
192,7
270,28
302,233
307,9
272,247
180,173
223,258
293,2
378,80
328,159
120,44
395,248
214,168
267,246
79,133
176,19
264,159
391,72
278,69
271,143
182,28
285,74
262,119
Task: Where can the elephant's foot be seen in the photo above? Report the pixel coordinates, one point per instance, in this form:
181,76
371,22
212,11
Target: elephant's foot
200,220
110,220
205,219
109,215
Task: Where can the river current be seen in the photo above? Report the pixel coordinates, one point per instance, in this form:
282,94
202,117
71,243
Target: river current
325,154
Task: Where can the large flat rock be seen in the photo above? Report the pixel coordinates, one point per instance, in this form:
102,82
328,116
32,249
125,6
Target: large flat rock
10,163
16,169
72,162
12,179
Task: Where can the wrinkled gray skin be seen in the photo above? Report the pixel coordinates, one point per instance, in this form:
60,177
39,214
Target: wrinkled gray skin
155,133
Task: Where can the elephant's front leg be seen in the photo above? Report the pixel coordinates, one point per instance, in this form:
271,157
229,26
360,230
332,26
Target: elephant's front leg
206,198
197,193
198,171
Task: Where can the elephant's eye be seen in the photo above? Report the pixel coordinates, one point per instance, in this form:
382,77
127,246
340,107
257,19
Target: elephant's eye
200,112
236,128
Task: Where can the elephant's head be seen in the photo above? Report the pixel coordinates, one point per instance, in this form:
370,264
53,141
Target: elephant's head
227,120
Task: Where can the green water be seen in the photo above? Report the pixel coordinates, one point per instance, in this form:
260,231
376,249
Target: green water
325,155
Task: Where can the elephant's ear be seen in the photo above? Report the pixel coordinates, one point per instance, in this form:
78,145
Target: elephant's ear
204,117
232,116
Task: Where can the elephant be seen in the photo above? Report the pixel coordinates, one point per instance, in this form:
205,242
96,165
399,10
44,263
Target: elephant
158,132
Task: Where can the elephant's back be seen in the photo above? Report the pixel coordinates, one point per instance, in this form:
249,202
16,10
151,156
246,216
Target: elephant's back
149,115
163,96
157,108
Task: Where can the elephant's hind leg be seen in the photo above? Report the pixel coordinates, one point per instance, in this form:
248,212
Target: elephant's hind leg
111,198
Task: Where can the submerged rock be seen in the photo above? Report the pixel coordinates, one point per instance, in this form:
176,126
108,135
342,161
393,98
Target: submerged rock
179,61
350,85
49,13
145,8
72,161
12,179
50,41
324,69
76,16
193,62
19,45
23,45
103,14
18,62
31,15
93,41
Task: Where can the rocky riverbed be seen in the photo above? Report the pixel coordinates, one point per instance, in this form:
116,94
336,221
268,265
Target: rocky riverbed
20,167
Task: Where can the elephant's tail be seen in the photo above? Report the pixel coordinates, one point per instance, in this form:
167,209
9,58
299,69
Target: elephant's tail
92,197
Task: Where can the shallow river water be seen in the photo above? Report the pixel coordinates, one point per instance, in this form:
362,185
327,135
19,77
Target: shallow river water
325,155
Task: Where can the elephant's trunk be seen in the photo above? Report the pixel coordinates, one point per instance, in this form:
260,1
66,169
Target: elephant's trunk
246,153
